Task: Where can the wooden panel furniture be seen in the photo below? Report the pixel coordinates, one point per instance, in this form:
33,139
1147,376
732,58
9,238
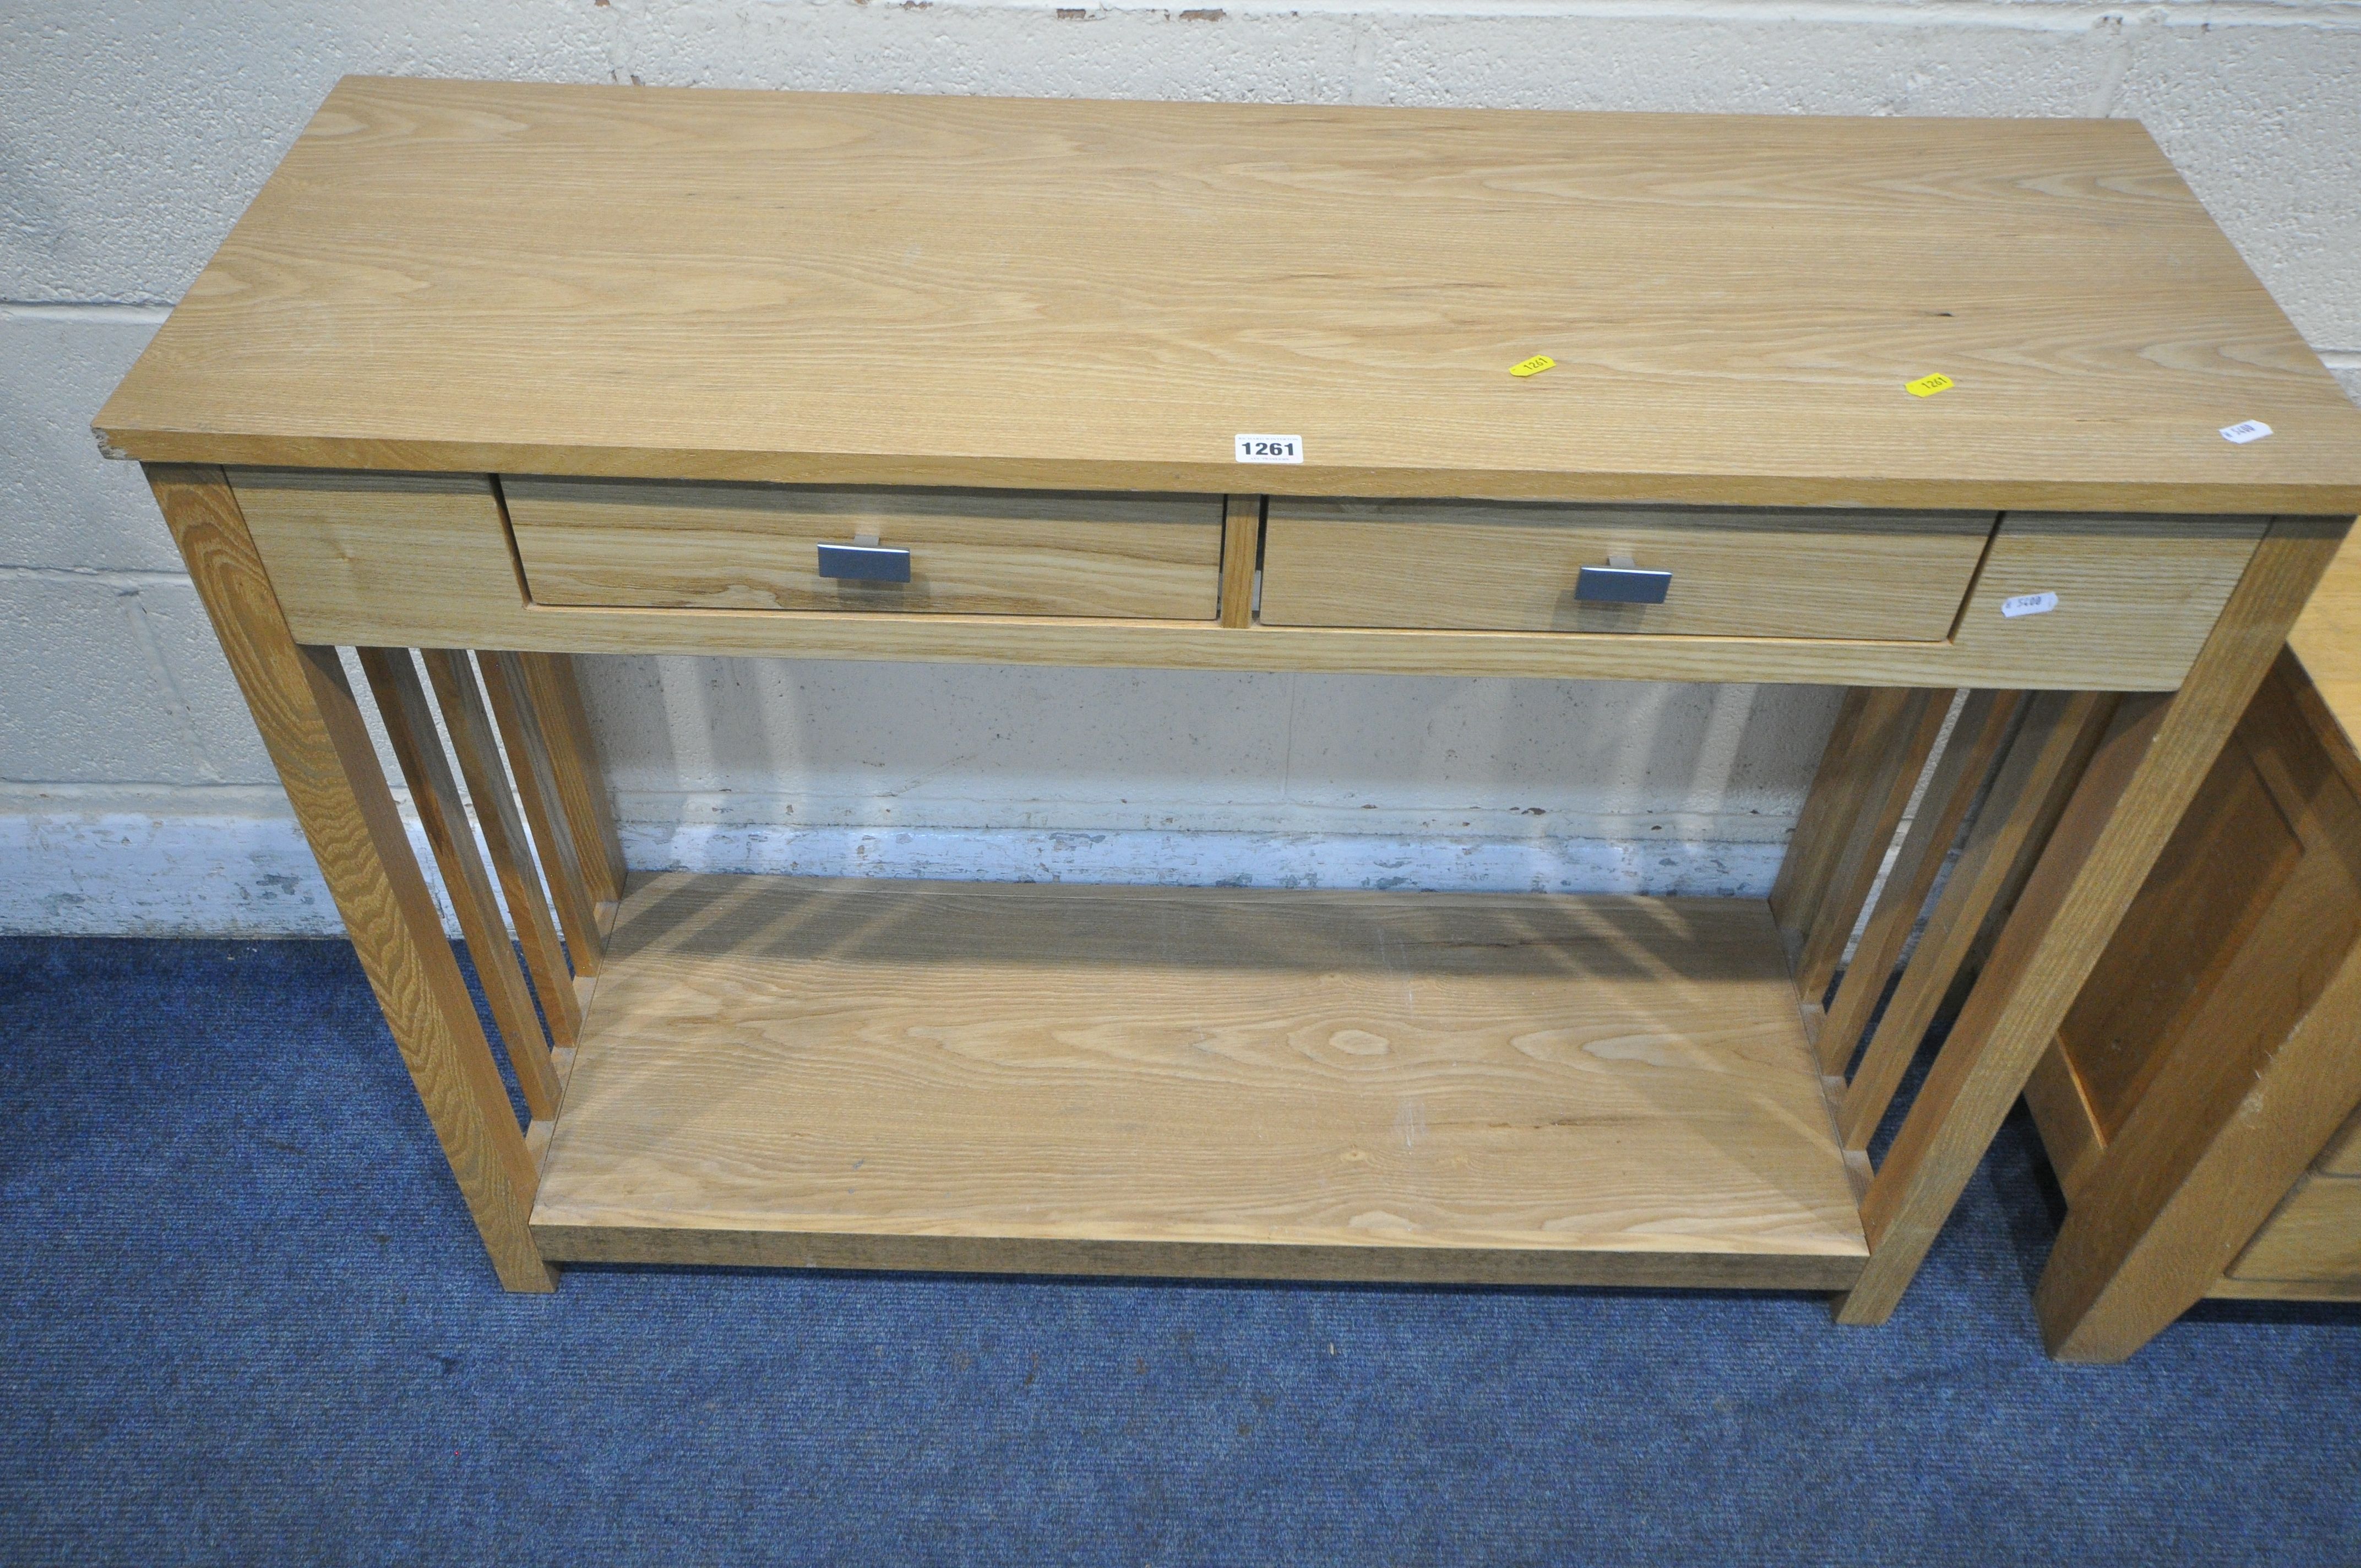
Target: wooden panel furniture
1517,567
507,374
693,546
2199,1100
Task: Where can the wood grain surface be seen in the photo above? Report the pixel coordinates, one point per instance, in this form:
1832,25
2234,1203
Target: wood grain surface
2048,757
1241,557
845,288
1864,723
612,542
2217,1045
1010,1070
2232,1288
1509,567
2068,1126
2343,1155
424,560
313,728
1816,951
2327,638
2116,823
1984,724
2314,1235
435,795
497,816
2232,864
537,790
574,760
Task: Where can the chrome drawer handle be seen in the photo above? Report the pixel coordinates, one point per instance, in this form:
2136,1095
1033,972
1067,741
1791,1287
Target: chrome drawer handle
864,561
1622,581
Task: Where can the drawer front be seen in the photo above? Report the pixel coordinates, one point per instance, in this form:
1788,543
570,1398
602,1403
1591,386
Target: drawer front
640,543
1499,567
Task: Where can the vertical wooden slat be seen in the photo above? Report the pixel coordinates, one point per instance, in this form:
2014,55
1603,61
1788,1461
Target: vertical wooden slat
1862,746
1888,782
556,694
544,809
2061,727
1984,724
2155,756
496,813
2012,888
410,726
1241,539
1828,813
313,729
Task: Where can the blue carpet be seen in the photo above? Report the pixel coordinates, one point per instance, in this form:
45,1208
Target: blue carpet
244,1318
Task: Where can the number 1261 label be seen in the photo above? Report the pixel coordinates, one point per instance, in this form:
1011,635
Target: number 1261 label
1270,449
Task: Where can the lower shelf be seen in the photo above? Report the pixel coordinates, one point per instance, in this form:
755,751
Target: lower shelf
1021,1078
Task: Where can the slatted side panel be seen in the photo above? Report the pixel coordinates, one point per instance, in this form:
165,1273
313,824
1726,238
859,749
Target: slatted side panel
1988,787
526,738
509,790
2045,762
1984,724
1899,750
435,792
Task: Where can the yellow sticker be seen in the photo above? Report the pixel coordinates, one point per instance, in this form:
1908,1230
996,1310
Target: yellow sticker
1533,366
1927,386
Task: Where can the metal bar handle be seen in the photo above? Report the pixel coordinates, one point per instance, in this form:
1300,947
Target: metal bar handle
864,561
1622,581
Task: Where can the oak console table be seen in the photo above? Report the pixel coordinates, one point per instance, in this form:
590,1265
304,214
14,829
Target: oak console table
504,374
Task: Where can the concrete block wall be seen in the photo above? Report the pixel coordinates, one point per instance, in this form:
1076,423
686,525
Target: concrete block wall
135,796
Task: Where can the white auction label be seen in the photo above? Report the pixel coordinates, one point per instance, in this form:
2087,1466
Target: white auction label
2028,604
1270,449
2245,430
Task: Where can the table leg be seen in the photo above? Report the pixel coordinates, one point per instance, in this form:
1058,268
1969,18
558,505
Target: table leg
313,726
2150,766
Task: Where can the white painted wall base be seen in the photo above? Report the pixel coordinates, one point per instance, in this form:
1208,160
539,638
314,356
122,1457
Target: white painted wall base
123,874
128,874
1223,860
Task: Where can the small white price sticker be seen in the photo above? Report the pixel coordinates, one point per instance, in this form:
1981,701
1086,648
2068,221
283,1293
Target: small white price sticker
2245,430
1270,449
2028,604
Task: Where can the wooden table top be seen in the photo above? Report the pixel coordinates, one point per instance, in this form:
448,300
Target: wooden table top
857,289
